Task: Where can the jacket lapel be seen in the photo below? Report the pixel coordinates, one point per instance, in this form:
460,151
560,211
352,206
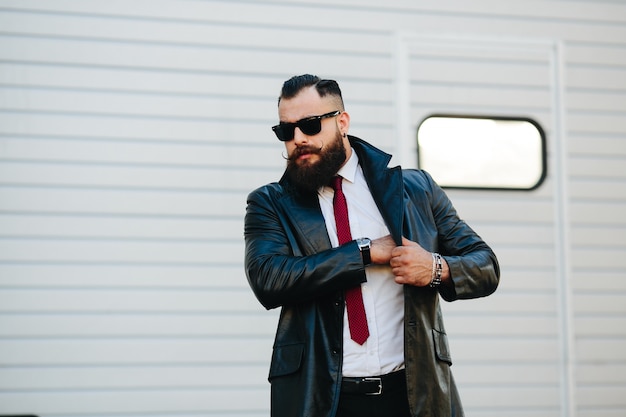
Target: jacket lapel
387,190
309,225
385,184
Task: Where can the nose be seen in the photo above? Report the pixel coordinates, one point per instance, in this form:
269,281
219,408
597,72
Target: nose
299,137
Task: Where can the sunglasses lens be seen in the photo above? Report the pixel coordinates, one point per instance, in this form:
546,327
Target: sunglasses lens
310,127
284,132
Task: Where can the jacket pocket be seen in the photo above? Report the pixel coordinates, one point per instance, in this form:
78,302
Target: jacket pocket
441,346
286,360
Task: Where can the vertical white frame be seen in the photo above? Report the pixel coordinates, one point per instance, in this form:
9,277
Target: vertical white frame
404,138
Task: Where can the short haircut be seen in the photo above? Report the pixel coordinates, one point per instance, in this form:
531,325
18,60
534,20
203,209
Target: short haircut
297,83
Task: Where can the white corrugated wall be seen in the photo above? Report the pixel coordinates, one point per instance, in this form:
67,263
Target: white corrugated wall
132,131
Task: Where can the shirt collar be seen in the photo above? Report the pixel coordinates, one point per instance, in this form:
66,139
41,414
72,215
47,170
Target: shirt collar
349,169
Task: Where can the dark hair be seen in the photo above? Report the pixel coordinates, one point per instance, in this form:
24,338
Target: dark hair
297,83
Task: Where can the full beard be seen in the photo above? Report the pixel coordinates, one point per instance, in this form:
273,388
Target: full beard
311,176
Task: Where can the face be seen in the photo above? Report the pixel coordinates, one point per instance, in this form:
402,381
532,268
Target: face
314,159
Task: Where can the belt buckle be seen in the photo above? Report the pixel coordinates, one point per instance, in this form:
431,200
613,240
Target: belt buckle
380,385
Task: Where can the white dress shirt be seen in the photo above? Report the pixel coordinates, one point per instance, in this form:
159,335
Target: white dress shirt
383,352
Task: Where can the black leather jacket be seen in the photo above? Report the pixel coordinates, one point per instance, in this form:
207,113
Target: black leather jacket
290,264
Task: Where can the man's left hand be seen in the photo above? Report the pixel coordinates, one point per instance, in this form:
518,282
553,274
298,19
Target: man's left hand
413,265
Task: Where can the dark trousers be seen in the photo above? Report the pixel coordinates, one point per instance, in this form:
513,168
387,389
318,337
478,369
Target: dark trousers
392,401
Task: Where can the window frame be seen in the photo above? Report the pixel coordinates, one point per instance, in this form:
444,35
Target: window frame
534,123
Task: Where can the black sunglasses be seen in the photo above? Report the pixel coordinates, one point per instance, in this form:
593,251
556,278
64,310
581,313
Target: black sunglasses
309,126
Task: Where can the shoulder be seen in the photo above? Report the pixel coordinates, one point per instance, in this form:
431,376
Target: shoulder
270,191
417,179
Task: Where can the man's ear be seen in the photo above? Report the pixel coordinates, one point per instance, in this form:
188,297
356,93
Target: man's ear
344,122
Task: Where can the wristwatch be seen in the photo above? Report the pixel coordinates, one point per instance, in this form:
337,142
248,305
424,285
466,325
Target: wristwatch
364,246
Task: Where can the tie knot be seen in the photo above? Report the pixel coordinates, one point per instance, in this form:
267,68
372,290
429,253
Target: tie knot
336,182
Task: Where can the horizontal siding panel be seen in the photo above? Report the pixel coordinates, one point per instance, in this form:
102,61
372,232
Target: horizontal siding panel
601,326
527,279
510,350
602,350
262,87
599,236
505,210
601,55
94,251
491,74
78,275
162,401
488,10
152,154
601,259
103,227
515,233
137,129
208,377
96,176
186,33
515,324
506,374
600,412
179,322
597,123
147,80
128,351
483,95
598,280
600,303
590,171
551,11
596,101
596,78
160,276
121,202
587,145
130,105
597,189
515,397
601,373
598,213
139,300
507,303
527,256
190,58
601,396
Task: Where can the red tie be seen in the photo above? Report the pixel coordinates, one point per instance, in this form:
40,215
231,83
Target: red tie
354,300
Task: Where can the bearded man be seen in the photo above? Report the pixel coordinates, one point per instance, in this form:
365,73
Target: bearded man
357,255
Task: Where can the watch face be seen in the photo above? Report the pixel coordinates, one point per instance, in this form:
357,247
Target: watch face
364,242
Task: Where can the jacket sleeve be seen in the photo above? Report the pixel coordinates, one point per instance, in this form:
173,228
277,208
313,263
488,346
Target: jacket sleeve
279,271
474,268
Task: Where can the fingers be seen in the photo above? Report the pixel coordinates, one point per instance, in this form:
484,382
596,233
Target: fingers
411,264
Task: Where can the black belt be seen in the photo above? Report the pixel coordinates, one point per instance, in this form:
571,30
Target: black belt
373,385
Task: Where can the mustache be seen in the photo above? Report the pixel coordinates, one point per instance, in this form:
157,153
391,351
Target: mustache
303,150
